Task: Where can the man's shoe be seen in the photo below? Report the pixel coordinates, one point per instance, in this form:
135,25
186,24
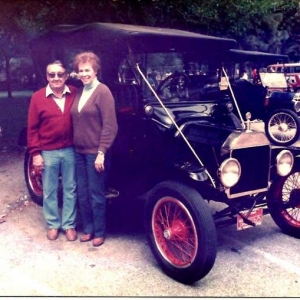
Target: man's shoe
86,237
52,234
71,234
98,241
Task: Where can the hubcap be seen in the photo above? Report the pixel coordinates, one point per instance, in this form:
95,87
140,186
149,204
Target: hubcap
167,234
177,231
283,127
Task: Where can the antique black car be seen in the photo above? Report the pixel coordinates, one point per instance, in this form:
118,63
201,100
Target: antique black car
175,146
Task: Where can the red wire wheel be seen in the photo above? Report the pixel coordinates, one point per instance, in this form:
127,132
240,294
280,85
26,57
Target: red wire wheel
174,232
284,203
180,231
33,178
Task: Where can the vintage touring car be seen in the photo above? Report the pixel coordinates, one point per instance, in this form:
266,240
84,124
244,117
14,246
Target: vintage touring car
267,96
174,145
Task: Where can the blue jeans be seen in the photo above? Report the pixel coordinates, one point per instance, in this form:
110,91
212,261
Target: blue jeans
91,194
58,162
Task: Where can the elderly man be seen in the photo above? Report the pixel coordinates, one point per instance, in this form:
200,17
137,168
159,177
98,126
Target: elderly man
50,142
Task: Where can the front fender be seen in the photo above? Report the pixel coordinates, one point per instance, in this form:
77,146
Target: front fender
280,100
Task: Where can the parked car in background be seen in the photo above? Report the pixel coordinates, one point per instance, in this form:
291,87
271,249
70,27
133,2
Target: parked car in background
278,109
291,72
177,147
268,96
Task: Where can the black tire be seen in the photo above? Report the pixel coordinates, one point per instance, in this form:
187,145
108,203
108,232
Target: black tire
181,231
283,201
282,127
33,180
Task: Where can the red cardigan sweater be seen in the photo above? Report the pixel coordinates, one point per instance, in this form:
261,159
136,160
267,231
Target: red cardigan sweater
48,127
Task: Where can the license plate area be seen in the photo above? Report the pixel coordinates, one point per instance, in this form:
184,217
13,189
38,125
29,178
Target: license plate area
255,216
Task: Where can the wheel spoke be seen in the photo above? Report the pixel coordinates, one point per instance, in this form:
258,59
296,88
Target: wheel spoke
295,213
291,197
183,250
167,214
175,232
162,219
184,245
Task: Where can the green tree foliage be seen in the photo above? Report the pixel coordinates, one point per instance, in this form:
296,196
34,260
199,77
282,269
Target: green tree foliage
263,25
292,46
12,39
267,25
231,18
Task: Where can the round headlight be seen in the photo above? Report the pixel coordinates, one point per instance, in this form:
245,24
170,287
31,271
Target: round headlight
230,172
284,162
248,115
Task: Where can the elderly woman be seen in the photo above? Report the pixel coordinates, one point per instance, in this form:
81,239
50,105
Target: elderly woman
95,128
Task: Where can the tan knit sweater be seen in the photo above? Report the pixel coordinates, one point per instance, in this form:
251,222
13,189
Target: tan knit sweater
95,126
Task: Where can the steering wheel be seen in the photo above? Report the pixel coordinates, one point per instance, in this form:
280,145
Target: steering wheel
175,86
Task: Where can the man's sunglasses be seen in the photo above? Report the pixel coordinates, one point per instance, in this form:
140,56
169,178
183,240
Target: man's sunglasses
59,75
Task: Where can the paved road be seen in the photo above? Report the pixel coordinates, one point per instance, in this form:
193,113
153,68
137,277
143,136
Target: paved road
257,262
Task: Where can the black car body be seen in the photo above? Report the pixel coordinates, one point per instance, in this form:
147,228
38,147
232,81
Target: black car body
175,145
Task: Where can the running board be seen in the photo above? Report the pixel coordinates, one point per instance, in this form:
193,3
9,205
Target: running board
111,193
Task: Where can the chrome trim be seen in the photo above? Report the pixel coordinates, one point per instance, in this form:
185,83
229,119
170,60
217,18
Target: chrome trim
279,157
162,124
240,140
296,105
227,191
149,110
249,192
222,166
296,97
200,176
177,133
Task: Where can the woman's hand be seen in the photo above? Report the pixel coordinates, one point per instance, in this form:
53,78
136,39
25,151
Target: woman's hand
99,162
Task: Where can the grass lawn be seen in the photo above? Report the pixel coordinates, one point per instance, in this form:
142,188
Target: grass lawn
13,117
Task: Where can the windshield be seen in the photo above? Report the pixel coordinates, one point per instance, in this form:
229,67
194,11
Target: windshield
273,80
174,76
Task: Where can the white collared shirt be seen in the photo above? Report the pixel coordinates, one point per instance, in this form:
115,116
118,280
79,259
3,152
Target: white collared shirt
59,101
